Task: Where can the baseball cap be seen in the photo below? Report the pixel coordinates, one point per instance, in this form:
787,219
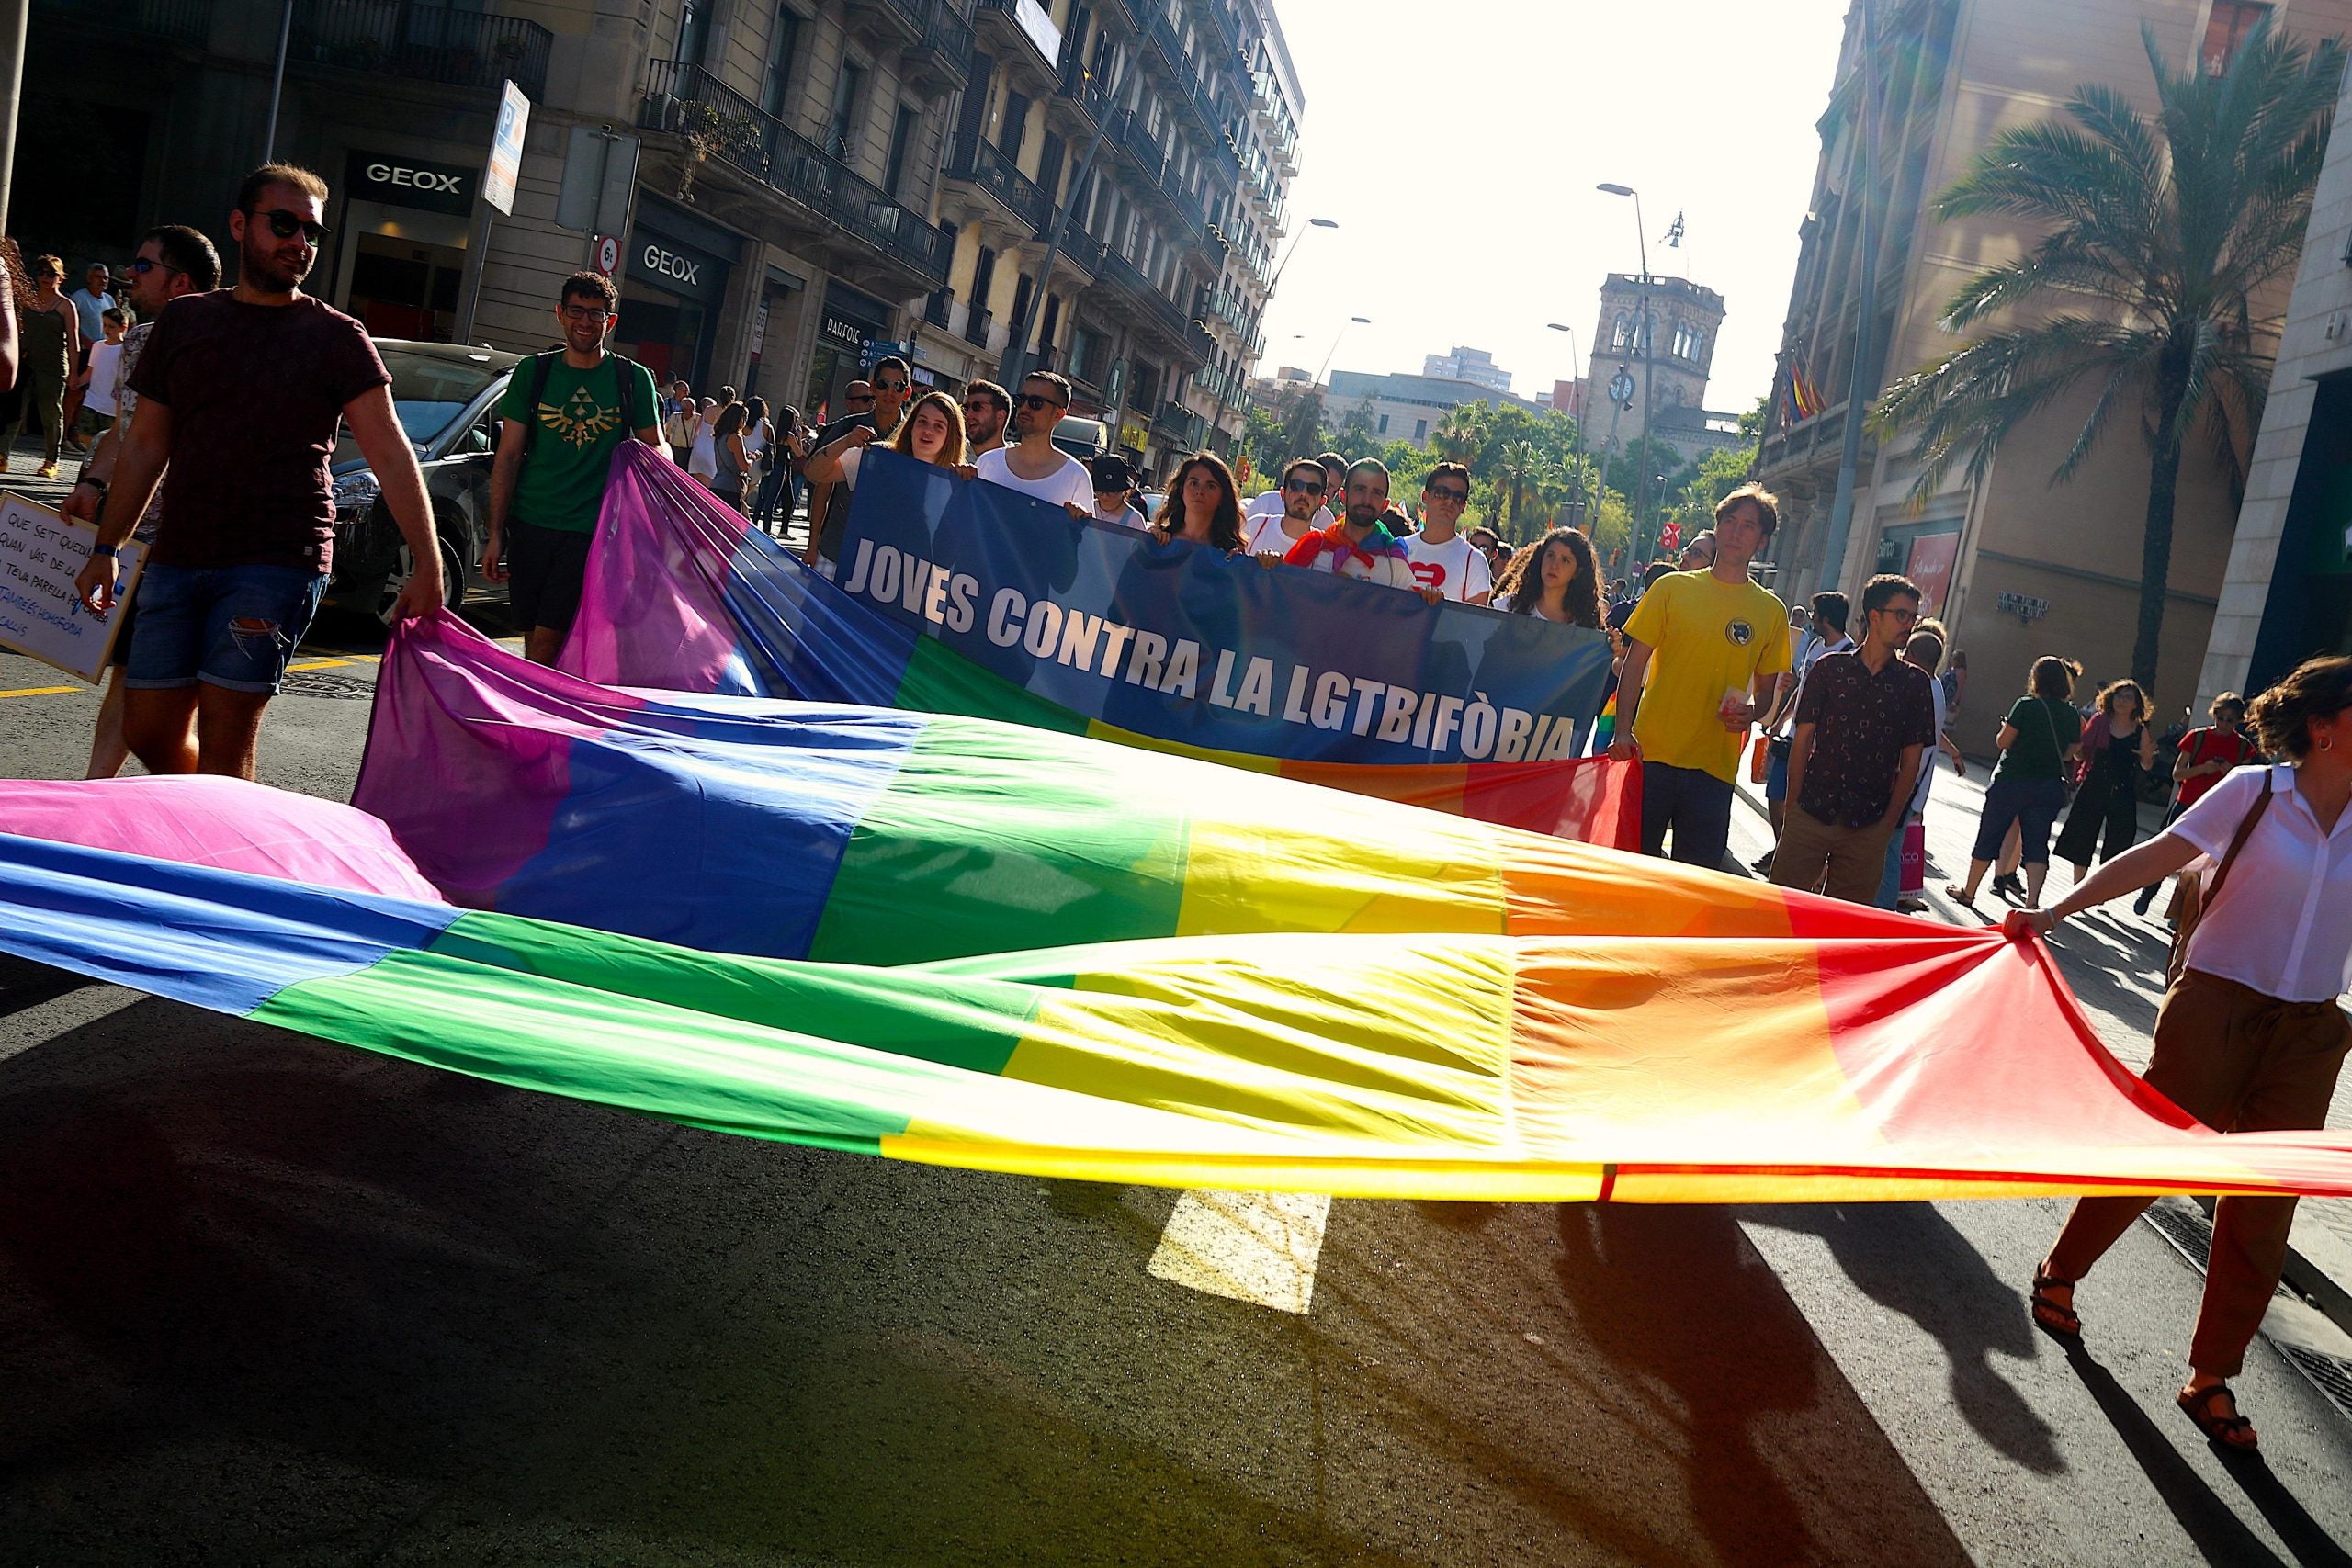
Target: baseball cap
1112,473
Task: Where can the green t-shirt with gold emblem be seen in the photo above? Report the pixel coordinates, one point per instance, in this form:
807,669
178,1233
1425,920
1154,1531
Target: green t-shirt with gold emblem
580,425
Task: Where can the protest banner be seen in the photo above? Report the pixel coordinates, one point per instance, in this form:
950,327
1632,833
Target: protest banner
41,616
1190,646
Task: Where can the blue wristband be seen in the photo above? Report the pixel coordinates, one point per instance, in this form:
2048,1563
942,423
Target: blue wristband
108,551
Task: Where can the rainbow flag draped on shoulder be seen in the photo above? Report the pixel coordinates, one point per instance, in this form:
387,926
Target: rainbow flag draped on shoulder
684,594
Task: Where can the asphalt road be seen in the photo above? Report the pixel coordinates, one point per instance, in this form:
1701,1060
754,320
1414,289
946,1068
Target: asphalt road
268,1300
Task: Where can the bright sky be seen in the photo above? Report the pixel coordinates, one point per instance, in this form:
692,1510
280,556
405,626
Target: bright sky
1457,144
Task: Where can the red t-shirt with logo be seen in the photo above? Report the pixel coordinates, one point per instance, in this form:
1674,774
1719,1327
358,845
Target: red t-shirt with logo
2212,744
256,394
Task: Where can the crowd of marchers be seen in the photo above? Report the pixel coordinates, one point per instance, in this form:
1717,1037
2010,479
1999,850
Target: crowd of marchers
209,414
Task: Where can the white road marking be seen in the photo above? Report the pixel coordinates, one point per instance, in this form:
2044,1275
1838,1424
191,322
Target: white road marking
1259,1247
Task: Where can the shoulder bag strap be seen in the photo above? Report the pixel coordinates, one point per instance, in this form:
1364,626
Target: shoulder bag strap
2191,899
2237,839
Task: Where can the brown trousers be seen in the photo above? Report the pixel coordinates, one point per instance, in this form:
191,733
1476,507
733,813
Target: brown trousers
2240,1062
1844,862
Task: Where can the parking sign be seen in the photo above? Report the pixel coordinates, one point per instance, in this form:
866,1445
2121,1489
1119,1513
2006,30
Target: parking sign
507,150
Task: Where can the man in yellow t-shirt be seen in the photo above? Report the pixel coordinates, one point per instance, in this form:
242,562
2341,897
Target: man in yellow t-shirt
1703,649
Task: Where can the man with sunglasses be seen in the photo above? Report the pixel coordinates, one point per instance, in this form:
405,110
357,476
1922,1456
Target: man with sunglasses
241,393
878,406
1300,496
1034,465
1443,559
172,261
563,414
987,408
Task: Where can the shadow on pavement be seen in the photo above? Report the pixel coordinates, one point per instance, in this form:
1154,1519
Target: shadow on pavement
1675,1298
1908,1256
2219,1533
2304,1536
265,1298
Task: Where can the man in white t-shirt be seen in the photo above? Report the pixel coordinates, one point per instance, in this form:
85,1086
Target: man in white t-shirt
1032,464
1441,557
1114,493
1358,544
1271,503
1299,506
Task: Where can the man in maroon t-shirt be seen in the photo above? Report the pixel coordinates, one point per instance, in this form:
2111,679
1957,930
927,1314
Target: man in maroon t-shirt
241,393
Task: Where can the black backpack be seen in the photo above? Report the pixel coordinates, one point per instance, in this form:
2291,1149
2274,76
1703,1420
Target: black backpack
631,420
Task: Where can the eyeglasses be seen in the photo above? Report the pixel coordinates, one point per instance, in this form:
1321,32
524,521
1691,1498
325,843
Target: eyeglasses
1304,487
1033,402
140,266
1905,616
1449,494
889,386
587,313
286,225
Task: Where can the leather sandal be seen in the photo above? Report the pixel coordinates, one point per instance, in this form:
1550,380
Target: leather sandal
2232,1431
2047,1314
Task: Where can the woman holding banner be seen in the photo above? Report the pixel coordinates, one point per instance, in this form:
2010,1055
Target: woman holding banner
2250,1038
1558,580
1204,504
931,433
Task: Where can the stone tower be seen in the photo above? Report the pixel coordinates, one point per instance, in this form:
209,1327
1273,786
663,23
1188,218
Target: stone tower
1685,318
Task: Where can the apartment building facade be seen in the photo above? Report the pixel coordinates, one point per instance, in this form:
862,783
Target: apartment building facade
2018,565
783,188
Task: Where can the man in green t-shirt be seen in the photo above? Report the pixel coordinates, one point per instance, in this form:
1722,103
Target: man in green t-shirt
547,487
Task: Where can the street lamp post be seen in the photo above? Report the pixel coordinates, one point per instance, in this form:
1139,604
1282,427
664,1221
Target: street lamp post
1225,393
1351,321
1575,437
1648,356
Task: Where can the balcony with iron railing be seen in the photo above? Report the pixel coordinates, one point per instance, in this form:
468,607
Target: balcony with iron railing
1158,309
940,54
1025,27
422,43
975,161
149,21
1084,251
712,120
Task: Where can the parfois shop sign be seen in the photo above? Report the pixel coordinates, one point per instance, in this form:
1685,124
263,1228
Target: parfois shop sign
397,179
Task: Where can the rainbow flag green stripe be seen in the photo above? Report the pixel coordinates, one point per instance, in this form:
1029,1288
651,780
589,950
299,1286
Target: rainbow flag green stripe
1736,1067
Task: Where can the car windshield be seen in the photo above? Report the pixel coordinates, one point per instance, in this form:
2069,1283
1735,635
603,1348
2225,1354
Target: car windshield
429,393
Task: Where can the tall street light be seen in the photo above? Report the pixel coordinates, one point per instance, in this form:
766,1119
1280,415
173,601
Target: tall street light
1225,393
1351,321
1648,354
1576,439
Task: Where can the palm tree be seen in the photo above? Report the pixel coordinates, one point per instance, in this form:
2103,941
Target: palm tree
1460,434
1517,462
2159,236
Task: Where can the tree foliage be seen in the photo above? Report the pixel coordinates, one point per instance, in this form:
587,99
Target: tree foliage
2157,234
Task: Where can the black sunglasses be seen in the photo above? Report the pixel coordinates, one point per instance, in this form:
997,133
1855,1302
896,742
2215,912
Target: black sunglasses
1033,402
140,266
1304,487
982,403
889,386
286,225
1448,494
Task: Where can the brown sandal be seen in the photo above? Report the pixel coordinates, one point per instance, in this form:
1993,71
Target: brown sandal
2232,1431
2051,1317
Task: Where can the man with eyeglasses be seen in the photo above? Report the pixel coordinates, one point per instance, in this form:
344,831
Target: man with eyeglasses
172,261
1864,721
1443,559
1270,535
243,392
1034,465
987,408
878,406
563,415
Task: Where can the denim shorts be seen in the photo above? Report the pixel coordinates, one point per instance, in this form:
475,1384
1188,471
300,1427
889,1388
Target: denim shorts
234,626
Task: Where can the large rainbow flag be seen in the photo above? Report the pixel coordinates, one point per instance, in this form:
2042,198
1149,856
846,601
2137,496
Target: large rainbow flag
1786,1049
684,594
1364,1000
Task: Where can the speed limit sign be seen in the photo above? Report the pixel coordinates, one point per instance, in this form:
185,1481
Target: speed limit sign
606,254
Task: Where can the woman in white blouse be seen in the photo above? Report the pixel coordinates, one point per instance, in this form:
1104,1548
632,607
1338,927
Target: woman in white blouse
2250,1037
